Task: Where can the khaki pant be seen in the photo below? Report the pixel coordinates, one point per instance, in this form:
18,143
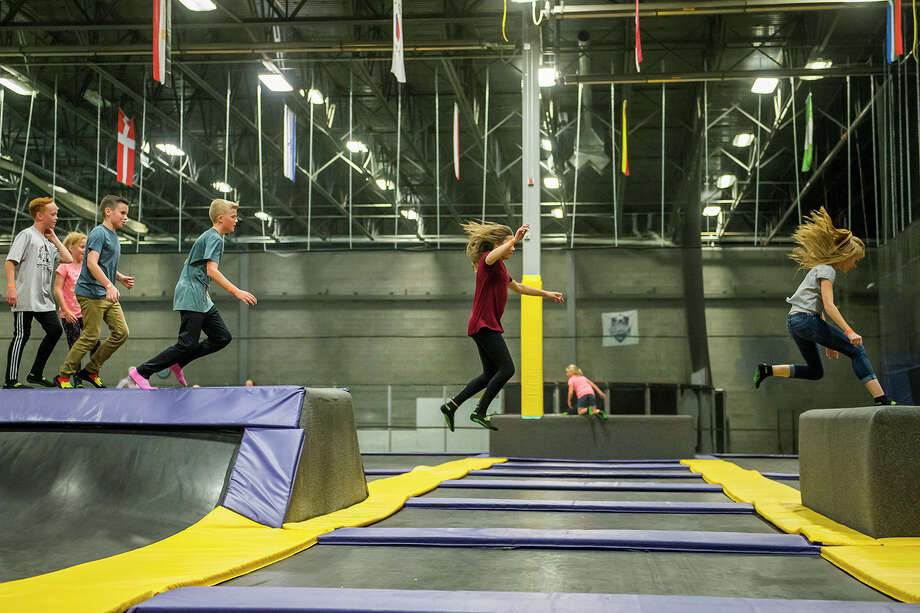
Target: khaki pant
95,311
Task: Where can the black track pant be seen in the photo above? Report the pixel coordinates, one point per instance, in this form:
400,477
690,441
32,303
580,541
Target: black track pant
187,348
22,328
497,369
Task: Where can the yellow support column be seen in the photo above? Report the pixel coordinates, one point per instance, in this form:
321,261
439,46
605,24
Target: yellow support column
532,351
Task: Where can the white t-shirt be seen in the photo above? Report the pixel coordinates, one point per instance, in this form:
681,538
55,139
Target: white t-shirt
36,258
807,298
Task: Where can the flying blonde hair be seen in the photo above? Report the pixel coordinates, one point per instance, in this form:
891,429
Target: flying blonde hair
484,237
575,370
819,242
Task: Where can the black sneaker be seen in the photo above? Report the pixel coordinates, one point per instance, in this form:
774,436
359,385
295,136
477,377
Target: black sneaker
884,403
16,385
92,378
40,381
763,371
448,414
483,420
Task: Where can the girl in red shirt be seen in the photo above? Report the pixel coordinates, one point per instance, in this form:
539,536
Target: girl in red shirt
489,245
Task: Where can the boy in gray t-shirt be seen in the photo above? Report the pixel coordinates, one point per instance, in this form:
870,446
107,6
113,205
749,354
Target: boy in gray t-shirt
30,264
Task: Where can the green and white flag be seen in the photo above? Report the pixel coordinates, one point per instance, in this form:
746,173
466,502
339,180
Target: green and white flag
809,136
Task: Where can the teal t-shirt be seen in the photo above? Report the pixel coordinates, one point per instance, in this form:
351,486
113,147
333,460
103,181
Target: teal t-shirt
104,242
192,288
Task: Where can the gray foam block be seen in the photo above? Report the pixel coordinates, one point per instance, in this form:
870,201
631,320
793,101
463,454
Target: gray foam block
861,467
579,437
330,475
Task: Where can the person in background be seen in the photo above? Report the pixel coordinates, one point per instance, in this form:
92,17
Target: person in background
250,383
583,389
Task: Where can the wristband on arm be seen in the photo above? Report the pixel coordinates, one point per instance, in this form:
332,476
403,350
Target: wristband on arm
847,331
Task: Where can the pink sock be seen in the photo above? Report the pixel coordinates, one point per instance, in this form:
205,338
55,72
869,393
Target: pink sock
142,383
177,370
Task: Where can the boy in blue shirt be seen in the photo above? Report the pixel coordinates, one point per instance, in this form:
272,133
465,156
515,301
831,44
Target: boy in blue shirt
197,312
98,296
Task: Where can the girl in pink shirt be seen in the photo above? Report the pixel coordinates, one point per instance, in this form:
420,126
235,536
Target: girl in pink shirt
65,280
583,388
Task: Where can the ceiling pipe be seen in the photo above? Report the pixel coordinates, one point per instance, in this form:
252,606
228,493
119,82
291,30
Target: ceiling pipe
732,75
706,7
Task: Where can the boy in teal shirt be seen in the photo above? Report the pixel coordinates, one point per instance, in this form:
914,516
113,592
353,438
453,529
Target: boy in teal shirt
197,312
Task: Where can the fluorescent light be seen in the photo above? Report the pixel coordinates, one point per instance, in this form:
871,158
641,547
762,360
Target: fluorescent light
263,216
314,96
744,139
557,213
546,76
356,146
725,181
16,86
409,213
550,182
275,82
546,144
764,85
385,184
60,189
712,211
170,149
818,64
198,5
222,186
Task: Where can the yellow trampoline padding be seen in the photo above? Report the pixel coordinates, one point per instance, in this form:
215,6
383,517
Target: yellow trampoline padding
891,569
219,547
778,503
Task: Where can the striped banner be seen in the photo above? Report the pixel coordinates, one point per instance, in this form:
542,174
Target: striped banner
894,38
398,66
161,40
290,142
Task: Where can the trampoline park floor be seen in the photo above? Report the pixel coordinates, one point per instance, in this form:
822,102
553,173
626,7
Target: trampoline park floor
566,570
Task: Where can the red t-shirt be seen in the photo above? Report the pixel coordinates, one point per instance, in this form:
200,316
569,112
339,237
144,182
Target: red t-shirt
490,298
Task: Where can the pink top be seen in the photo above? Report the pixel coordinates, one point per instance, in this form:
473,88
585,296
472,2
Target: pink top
490,297
581,385
70,272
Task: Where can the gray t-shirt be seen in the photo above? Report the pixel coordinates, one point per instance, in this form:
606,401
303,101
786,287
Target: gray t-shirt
36,259
104,242
192,288
807,298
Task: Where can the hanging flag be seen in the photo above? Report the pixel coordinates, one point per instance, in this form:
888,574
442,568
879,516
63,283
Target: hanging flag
456,141
125,165
638,41
894,33
809,136
398,67
624,163
898,29
290,142
161,16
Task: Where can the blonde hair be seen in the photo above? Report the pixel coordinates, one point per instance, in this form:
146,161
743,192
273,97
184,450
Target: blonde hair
575,369
819,242
37,205
219,206
484,237
73,238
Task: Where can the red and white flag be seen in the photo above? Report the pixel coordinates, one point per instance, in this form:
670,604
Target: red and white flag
638,40
126,147
160,39
456,141
398,67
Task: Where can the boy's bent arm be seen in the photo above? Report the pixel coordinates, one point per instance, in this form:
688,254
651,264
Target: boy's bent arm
218,277
92,264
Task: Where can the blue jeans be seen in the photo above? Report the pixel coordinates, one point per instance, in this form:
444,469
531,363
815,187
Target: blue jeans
808,331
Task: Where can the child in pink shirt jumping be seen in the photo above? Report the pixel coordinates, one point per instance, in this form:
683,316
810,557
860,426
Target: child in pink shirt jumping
583,388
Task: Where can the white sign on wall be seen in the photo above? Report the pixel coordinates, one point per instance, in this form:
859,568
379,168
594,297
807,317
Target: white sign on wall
620,328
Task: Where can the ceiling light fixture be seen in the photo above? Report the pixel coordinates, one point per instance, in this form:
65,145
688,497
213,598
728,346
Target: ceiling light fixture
356,146
385,184
275,82
199,5
222,186
546,76
315,96
712,211
725,181
551,182
818,64
546,144
764,85
16,86
409,214
744,139
170,149
263,216
557,213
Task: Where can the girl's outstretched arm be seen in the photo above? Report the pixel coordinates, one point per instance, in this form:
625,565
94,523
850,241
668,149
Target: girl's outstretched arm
525,290
827,296
597,389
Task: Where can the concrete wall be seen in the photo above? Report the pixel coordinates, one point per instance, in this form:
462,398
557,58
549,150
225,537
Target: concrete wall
372,319
899,294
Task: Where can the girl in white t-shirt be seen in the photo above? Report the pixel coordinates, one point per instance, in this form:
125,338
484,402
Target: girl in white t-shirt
825,251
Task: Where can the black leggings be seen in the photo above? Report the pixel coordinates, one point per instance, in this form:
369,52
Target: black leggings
497,369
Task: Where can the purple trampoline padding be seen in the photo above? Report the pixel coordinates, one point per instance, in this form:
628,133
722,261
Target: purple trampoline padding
568,461
756,455
268,406
598,486
782,476
333,600
643,540
591,506
596,466
263,477
586,474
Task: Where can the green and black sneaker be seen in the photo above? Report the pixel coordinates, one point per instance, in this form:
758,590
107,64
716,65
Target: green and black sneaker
16,385
448,414
601,415
40,381
763,371
483,420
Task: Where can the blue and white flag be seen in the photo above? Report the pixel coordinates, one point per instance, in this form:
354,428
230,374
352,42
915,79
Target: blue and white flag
290,142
